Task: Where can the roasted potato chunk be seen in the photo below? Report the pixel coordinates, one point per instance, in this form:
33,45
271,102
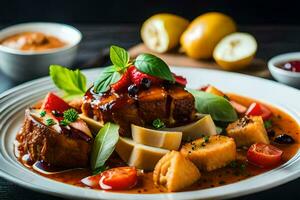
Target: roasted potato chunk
174,172
210,153
247,131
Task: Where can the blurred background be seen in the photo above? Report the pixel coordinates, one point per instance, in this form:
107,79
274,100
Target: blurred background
135,11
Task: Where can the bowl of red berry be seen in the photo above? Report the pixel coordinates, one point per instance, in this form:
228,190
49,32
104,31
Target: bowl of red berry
285,68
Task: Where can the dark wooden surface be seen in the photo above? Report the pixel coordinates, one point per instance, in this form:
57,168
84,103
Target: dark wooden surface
272,40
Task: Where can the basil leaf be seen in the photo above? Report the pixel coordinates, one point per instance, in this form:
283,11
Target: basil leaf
104,144
107,77
218,107
72,82
152,65
119,57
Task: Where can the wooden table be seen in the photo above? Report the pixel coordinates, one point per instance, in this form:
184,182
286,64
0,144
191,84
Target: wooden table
272,40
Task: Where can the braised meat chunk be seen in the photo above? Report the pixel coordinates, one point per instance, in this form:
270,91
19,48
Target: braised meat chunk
45,143
173,105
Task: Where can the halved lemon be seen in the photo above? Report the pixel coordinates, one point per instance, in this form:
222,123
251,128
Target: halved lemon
235,51
162,32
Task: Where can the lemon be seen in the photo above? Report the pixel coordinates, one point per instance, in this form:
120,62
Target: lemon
235,51
161,32
204,33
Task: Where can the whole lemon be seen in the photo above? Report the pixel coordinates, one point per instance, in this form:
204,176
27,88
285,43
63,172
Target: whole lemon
162,32
204,33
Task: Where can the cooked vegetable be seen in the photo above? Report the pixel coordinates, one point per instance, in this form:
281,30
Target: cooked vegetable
218,107
156,138
154,66
210,153
264,155
73,83
104,144
138,155
120,178
203,127
256,109
53,102
174,172
247,131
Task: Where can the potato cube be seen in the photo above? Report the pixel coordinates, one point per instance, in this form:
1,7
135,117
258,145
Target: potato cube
210,153
248,130
174,172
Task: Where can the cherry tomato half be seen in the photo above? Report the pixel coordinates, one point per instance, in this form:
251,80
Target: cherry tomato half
119,178
256,109
264,155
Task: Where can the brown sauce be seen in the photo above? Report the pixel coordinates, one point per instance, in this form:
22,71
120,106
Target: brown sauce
32,41
282,122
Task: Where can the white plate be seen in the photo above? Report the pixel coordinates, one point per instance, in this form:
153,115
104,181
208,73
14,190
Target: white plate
14,101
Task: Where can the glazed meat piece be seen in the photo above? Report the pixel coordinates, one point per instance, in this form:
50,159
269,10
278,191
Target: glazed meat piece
181,106
174,106
55,148
152,104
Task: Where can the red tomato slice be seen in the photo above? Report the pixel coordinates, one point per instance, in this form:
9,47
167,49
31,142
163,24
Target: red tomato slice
256,109
264,155
92,181
119,178
53,102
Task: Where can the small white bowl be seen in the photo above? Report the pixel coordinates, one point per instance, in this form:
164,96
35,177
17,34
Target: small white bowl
281,75
26,65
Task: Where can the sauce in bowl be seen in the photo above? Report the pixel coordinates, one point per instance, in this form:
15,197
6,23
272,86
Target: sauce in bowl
293,66
32,41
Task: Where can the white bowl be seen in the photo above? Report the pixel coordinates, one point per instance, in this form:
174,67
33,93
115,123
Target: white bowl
284,76
25,65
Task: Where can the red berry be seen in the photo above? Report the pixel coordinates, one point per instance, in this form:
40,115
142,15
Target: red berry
123,83
136,77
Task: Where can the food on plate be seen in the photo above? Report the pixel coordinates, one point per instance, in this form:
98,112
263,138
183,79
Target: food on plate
248,130
292,65
174,172
207,153
203,34
203,127
162,32
138,129
156,138
235,51
264,155
32,41
48,136
139,155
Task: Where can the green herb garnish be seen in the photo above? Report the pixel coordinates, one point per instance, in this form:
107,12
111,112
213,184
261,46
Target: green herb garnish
72,82
206,139
218,107
158,124
152,65
120,60
146,63
50,122
104,145
43,113
71,115
268,124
